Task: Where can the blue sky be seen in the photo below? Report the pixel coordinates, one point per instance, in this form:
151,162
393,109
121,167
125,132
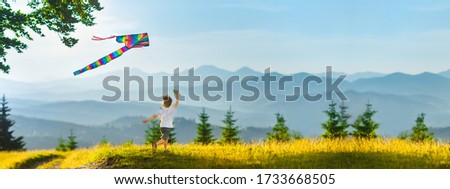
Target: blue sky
386,36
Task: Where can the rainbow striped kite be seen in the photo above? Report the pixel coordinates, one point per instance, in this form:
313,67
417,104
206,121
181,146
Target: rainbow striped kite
130,41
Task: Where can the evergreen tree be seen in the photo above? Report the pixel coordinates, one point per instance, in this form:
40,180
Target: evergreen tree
71,141
296,135
172,138
337,123
204,131
333,120
128,143
7,141
61,145
420,130
404,135
230,131
343,119
280,132
104,142
153,133
364,126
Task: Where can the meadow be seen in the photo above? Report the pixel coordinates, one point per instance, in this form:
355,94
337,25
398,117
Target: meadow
303,153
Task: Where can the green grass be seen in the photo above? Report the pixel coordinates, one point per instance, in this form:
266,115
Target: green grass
26,160
306,153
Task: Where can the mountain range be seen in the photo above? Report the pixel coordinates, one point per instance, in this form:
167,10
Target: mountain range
398,98
44,134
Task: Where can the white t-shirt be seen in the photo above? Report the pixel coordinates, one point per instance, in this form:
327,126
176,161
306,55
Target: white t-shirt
166,117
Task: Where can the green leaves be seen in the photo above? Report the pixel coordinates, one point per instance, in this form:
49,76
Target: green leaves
70,145
230,131
420,130
153,133
58,16
337,123
7,141
204,130
280,132
364,126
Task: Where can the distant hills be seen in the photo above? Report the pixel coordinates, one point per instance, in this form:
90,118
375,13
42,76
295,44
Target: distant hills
445,73
91,88
94,113
397,97
441,133
403,84
44,134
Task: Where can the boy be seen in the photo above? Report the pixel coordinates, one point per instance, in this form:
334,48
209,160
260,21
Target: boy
165,115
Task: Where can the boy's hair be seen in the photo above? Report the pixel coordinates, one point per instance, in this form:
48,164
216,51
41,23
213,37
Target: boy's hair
167,100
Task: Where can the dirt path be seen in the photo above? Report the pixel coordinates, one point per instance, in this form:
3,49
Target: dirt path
35,162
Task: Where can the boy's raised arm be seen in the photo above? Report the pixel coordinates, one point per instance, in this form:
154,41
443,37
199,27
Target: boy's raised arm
151,118
177,94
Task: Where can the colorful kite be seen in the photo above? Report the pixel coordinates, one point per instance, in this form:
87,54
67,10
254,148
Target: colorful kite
131,41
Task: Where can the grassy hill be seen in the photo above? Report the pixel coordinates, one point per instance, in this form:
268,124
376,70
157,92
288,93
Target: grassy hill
305,153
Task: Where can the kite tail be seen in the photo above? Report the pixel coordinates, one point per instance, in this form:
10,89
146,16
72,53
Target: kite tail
95,38
102,61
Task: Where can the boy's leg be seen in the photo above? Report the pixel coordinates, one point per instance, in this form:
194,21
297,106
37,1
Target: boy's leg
156,144
160,141
166,141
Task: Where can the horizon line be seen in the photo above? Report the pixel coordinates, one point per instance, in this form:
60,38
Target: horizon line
4,76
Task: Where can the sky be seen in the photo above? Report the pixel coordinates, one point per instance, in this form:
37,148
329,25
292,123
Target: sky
289,36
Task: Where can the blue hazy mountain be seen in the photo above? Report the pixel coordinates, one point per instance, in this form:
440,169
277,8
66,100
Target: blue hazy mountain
44,134
397,97
91,88
354,76
404,84
245,71
94,113
445,73
363,75
207,70
441,133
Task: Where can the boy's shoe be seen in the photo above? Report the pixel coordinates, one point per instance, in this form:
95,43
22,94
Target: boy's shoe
166,151
154,147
